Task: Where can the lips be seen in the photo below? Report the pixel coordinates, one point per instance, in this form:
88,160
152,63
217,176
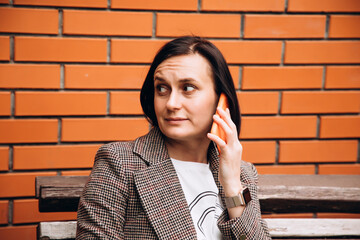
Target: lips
175,120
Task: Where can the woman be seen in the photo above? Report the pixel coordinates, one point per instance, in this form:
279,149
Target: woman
172,183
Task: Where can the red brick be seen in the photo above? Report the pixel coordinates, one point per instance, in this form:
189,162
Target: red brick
342,77
205,25
107,23
286,169
318,151
321,102
282,78
60,103
259,151
54,157
23,20
29,76
338,215
18,232
284,26
340,127
235,72
4,212
109,129
184,5
322,52
134,51
28,130
344,26
27,211
76,173
244,5
278,127
341,169
104,77
258,102
125,103
47,49
64,3
4,1
323,6
20,184
4,158
5,106
247,52
4,48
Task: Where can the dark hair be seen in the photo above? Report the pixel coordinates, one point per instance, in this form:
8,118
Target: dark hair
190,45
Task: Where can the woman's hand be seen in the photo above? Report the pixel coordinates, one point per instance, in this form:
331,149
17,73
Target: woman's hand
231,152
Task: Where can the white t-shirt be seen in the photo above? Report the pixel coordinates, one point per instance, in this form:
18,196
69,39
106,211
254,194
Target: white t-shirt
202,196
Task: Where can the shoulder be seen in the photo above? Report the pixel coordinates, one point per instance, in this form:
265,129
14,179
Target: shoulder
119,156
116,148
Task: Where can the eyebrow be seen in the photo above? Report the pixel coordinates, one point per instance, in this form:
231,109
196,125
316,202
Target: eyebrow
185,80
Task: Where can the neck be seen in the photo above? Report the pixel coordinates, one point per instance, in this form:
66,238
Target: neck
192,151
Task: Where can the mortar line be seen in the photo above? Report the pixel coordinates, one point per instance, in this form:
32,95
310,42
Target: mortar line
12,104
60,23
282,53
62,76
240,79
108,102
286,6
11,158
323,79
242,26
59,130
108,53
327,27
12,49
11,211
154,25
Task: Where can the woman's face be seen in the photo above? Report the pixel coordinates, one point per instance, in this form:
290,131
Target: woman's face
184,98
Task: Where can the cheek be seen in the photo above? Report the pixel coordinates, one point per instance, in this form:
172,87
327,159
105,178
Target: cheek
206,109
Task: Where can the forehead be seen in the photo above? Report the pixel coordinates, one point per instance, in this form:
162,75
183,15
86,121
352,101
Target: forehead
192,64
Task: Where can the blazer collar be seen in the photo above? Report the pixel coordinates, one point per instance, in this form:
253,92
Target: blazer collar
160,190
151,147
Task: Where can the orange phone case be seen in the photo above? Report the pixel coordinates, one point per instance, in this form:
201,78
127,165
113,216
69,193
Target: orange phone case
215,128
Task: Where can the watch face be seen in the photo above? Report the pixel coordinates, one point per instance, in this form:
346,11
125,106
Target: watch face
246,195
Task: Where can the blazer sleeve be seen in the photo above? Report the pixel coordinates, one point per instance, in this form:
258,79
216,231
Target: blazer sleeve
249,224
102,206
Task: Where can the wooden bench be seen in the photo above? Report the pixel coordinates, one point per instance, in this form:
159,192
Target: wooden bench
277,194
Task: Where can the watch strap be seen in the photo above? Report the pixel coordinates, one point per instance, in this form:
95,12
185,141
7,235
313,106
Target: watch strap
239,200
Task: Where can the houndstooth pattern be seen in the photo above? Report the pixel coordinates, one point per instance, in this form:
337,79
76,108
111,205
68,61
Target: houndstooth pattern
133,192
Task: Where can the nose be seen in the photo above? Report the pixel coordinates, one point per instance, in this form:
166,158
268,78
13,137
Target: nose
174,101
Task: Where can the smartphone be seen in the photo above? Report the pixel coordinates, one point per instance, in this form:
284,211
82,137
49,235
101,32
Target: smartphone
215,128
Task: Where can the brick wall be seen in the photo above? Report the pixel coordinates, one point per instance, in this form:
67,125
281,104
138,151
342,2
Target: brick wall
71,70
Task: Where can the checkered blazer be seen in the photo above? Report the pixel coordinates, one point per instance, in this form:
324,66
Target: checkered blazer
133,192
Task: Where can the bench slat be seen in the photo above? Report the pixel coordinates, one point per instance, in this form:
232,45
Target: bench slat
279,228
277,193
313,227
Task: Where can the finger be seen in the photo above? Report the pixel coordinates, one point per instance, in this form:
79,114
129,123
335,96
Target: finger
227,117
222,124
216,139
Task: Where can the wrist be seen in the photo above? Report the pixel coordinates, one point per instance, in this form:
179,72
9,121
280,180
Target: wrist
233,189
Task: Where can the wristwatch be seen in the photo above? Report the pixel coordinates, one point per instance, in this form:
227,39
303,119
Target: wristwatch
241,199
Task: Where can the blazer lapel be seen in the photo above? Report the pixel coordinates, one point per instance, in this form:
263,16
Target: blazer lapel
160,190
213,157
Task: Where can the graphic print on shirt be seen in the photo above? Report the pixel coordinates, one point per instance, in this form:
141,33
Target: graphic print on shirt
206,214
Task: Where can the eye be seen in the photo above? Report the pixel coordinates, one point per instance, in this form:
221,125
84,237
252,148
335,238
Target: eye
189,88
161,89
